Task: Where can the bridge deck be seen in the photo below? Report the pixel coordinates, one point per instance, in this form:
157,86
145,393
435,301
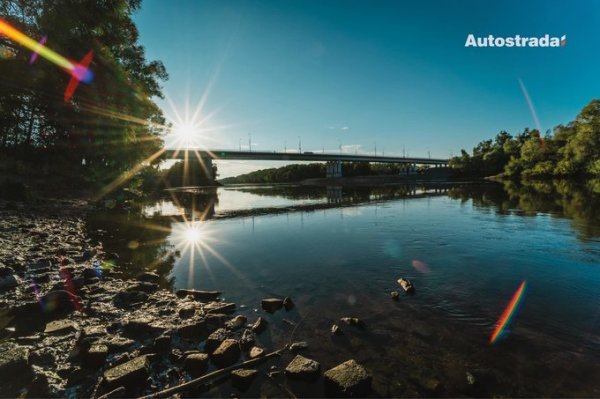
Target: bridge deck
305,156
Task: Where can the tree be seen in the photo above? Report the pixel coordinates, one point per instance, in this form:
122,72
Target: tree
110,125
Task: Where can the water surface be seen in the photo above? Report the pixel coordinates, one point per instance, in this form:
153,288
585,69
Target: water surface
339,252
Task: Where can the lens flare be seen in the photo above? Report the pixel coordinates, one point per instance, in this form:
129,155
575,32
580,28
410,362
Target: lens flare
509,312
79,72
34,55
534,115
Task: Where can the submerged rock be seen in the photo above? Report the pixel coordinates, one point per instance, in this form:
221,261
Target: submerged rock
347,379
335,329
271,305
395,295
298,346
247,340
303,368
407,285
288,304
353,321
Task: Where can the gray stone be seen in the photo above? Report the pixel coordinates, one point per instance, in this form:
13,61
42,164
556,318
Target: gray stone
347,379
133,373
95,356
196,364
63,326
407,285
395,295
227,353
247,340
335,329
199,295
220,307
303,368
194,329
272,304
237,322
298,346
255,352
148,277
215,338
353,321
242,378
9,282
288,304
13,360
259,325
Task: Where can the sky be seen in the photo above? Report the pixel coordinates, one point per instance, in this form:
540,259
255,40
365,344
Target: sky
394,75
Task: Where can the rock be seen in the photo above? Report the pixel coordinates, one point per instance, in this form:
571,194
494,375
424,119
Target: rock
347,379
125,299
90,272
303,368
220,307
9,282
247,340
335,329
187,311
141,326
353,321
288,304
143,286
259,325
429,384
196,364
395,295
95,356
272,304
60,302
203,296
227,353
215,339
214,321
63,326
162,344
298,346
255,352
148,277
237,322
242,378
406,285
13,360
93,332
193,329
133,373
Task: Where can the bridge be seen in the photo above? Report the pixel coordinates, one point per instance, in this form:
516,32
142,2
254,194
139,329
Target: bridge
333,161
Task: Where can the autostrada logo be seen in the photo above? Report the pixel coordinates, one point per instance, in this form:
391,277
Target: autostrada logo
516,41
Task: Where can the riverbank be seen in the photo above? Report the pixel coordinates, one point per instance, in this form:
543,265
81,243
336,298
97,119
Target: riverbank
72,327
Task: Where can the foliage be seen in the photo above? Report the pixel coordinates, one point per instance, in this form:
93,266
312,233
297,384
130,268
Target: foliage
571,150
285,174
108,126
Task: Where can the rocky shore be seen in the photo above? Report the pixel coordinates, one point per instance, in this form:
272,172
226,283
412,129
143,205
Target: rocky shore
72,327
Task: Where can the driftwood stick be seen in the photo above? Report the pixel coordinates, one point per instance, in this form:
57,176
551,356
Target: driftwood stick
165,393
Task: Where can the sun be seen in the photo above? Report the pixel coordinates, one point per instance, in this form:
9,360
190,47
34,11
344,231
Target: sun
185,134
192,234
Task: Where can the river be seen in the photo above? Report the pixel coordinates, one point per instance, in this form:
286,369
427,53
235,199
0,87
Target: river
338,252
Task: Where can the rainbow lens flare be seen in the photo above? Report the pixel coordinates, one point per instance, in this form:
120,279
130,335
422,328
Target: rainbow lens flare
78,71
34,55
509,312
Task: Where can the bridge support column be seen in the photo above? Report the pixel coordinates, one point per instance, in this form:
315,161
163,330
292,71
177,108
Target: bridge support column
333,169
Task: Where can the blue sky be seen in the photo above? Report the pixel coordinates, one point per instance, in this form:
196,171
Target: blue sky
358,72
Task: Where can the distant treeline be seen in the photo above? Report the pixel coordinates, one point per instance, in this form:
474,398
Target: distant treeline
570,150
294,173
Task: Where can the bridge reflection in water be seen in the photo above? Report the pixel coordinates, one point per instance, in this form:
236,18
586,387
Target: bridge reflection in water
195,203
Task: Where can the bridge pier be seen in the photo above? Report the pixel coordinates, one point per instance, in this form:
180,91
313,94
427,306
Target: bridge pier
333,169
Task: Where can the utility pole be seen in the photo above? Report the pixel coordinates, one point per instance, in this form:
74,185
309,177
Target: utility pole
249,142
403,152
299,145
375,147
428,154
285,146
240,144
